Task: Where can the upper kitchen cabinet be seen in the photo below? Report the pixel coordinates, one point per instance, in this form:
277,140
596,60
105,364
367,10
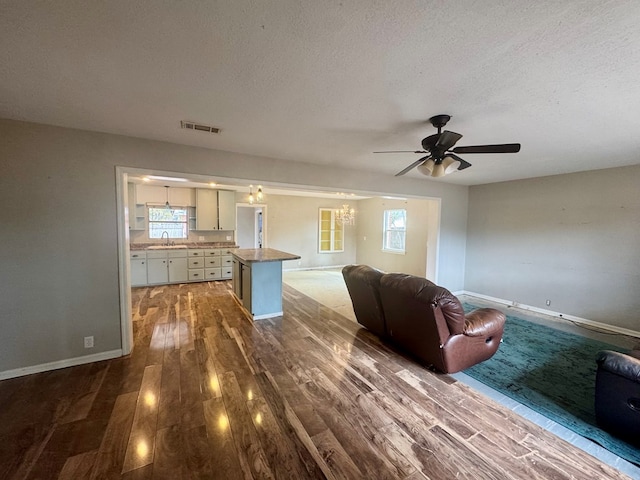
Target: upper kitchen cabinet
206,209
226,210
215,209
156,194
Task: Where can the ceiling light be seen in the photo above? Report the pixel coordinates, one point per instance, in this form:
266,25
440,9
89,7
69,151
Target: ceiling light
438,170
251,199
426,168
259,195
450,165
170,179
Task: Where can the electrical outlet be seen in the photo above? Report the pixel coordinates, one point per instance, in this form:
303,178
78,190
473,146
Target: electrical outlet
228,237
548,302
88,342
200,238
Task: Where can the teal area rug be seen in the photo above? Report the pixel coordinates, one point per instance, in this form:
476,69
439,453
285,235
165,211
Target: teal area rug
553,373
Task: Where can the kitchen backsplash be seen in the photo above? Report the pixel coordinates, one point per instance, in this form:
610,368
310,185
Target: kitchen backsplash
140,236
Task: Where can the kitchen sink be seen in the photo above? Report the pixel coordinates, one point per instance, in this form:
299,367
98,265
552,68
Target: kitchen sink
166,247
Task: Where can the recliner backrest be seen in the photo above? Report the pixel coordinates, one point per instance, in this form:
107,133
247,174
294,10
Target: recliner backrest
363,283
420,315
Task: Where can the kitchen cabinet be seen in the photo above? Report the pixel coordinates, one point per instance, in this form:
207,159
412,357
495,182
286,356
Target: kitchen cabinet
138,268
182,197
257,280
157,271
236,278
215,209
196,265
159,266
178,271
226,210
246,288
157,194
206,209
167,266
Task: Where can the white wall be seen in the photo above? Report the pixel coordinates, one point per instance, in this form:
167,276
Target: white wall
573,239
59,248
246,223
370,233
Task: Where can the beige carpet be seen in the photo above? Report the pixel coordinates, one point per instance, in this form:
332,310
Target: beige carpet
324,286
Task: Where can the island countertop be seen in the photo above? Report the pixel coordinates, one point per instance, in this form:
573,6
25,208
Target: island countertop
255,255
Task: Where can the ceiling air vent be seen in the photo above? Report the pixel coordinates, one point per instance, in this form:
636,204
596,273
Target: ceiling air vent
198,126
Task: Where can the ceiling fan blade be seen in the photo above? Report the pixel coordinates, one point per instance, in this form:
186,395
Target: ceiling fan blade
503,148
402,151
413,165
463,163
447,140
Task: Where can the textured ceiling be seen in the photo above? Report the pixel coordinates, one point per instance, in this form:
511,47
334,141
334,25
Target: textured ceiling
330,82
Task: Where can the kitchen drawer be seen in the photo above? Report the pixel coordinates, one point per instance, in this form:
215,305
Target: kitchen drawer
196,274
212,252
196,262
197,252
226,261
177,253
227,272
212,262
135,254
212,273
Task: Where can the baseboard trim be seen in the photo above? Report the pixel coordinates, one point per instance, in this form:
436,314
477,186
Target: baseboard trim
69,362
586,321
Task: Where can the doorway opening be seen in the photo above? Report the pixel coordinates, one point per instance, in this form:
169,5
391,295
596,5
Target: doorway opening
251,225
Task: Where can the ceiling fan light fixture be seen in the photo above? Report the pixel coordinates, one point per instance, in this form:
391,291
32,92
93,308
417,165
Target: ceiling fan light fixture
438,170
426,168
450,165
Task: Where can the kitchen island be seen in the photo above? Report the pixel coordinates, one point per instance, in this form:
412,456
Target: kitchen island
257,280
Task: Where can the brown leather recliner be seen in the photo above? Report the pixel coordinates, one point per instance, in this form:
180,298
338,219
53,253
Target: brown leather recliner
363,283
617,400
424,319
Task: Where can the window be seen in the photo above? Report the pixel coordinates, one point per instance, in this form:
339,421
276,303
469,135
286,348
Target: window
174,221
331,232
395,230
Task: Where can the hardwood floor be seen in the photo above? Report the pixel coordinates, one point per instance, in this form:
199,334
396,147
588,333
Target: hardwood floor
208,394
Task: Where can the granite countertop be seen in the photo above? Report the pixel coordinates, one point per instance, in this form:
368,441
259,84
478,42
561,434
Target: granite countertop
254,255
145,246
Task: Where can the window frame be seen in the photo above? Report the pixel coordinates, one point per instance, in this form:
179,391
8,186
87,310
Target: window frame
335,231
387,230
170,231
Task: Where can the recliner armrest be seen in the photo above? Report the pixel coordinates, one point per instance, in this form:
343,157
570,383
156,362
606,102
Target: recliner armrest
484,322
615,362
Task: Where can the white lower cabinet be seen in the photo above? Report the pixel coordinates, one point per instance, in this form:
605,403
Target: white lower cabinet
158,266
138,268
157,271
178,271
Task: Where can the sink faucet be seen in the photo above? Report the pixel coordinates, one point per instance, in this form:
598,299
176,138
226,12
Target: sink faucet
162,236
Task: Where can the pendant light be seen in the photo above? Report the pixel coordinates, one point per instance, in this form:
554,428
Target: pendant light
166,205
251,199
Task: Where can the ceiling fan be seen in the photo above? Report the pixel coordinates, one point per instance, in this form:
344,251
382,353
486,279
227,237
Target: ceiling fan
441,158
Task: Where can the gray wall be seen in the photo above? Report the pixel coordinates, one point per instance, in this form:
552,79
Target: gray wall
59,249
573,239
370,233
292,226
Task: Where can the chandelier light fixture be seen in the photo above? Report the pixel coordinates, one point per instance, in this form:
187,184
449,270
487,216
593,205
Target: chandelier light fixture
346,215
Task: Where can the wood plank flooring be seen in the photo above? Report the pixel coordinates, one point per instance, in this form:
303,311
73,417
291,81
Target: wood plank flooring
208,394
